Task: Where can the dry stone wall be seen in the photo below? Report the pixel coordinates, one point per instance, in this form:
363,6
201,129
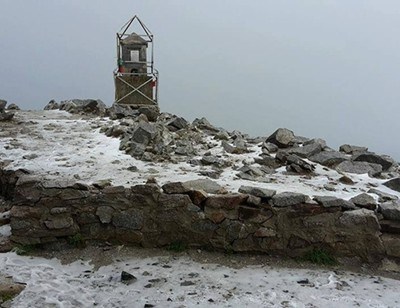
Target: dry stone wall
254,220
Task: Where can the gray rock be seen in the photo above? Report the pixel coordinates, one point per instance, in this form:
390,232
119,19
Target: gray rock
151,112
84,106
364,201
393,184
6,116
206,185
127,278
52,105
105,214
288,199
143,133
390,210
352,149
13,107
266,160
296,164
238,148
258,192
383,197
204,125
328,158
319,141
329,201
359,167
282,137
385,161
270,147
306,150
3,104
177,123
118,111
131,219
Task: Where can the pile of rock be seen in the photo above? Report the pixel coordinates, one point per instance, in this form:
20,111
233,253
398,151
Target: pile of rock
79,106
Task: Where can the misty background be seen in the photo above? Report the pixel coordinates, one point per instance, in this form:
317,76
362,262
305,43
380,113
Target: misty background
328,69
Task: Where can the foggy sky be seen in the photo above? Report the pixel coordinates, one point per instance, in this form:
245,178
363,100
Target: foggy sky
328,69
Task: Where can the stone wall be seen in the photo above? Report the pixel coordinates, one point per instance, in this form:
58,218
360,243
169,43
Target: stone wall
153,216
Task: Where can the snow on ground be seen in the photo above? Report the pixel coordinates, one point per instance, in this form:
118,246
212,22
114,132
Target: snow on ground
168,281
58,145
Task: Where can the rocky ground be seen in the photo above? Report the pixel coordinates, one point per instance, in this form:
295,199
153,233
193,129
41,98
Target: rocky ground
83,141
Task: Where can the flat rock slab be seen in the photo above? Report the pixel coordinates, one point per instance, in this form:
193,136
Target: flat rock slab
385,162
364,201
258,192
329,201
288,199
359,167
205,185
328,158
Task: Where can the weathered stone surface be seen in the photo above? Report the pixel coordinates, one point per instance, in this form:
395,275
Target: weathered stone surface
59,223
359,167
151,112
362,217
385,161
296,164
383,197
105,214
258,192
233,149
288,199
306,150
206,185
352,149
174,201
197,196
130,219
268,161
390,210
329,201
143,133
227,201
177,123
83,106
328,158
270,147
265,232
393,184
9,290
282,137
392,245
364,201
52,105
319,141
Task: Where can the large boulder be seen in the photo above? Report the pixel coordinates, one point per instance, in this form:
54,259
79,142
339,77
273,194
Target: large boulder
385,161
6,116
328,158
3,104
359,167
383,197
393,184
282,137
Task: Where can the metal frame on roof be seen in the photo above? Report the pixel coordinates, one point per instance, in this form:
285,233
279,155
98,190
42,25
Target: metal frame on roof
151,71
